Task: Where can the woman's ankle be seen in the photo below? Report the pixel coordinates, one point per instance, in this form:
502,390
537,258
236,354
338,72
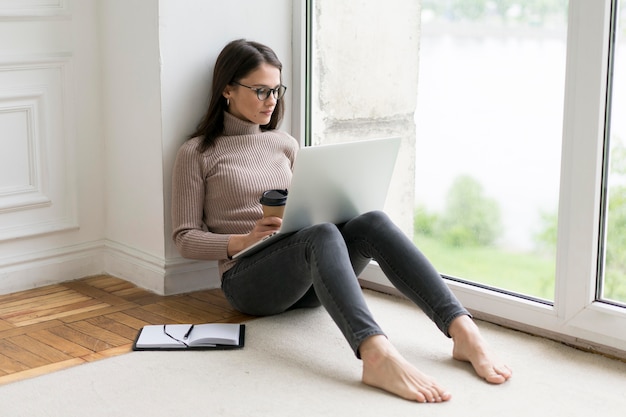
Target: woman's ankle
462,326
374,347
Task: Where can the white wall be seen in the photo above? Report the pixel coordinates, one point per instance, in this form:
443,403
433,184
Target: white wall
125,82
192,33
51,168
132,124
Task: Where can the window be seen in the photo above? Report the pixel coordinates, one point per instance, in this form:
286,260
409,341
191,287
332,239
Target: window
504,178
489,132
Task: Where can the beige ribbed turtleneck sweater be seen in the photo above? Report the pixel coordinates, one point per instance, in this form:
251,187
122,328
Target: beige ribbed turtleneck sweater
216,193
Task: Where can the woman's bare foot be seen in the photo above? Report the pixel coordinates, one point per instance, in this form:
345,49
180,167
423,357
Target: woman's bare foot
469,346
385,368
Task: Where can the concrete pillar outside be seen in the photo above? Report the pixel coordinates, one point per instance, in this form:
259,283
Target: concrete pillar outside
364,83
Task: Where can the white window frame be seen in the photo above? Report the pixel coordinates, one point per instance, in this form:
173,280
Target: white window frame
300,69
575,317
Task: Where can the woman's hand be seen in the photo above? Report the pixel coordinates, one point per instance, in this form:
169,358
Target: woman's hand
264,227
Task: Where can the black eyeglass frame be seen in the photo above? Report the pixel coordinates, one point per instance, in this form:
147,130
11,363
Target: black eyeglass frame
172,337
263,93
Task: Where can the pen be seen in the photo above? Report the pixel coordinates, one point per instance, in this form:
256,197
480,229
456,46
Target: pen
188,332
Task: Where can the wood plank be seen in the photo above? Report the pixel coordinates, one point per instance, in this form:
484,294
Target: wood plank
59,312
43,311
63,325
42,370
122,286
10,366
109,353
94,313
36,292
103,281
150,317
202,305
240,318
147,299
125,319
8,310
28,329
131,294
47,352
215,298
15,352
60,343
175,314
199,303
202,315
113,326
5,325
106,336
89,342
94,292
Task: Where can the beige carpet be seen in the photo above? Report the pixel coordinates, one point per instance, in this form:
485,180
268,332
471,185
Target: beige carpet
298,364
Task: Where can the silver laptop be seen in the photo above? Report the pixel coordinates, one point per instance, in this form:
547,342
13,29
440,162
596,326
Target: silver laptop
334,183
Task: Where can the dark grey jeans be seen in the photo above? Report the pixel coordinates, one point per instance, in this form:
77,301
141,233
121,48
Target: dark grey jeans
321,264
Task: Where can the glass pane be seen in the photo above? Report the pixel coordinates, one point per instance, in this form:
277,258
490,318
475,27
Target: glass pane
489,129
614,286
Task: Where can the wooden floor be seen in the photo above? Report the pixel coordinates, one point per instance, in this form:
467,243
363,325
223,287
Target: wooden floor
58,326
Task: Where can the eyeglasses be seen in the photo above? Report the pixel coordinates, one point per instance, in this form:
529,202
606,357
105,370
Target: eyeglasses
173,338
263,93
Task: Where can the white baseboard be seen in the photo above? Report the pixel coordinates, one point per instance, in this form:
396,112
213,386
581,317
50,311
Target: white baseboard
184,275
164,277
50,267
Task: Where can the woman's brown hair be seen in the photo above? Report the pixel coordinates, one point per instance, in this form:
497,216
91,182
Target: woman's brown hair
238,59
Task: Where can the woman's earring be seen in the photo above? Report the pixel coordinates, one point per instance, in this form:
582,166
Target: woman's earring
227,102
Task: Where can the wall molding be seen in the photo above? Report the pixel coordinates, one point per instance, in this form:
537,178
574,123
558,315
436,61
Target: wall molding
29,193
25,61
34,9
36,107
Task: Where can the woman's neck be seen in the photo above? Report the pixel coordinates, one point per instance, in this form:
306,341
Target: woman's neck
233,126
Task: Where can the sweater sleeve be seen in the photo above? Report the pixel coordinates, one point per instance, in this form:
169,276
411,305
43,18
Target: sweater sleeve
190,233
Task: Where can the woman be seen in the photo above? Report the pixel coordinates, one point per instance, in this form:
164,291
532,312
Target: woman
237,153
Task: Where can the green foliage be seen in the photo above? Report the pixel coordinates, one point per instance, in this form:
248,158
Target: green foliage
618,157
615,265
423,221
545,239
523,273
469,217
615,254
458,239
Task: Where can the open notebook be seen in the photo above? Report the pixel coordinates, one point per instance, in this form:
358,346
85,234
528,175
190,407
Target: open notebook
190,336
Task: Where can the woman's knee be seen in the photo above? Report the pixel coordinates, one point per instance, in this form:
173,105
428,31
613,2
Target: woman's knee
323,239
371,220
323,232
376,216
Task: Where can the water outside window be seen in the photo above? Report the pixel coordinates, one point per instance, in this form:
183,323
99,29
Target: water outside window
489,133
613,287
